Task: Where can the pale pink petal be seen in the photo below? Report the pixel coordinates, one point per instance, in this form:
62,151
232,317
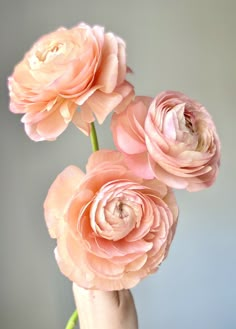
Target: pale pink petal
52,126
137,264
108,76
59,196
165,177
124,138
121,62
102,104
138,115
126,90
121,248
67,110
42,111
139,164
103,267
80,123
80,100
108,156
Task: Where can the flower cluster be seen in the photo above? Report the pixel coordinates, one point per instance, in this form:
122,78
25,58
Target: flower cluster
114,224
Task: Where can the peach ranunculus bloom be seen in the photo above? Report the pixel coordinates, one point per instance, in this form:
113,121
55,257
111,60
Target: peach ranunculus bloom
170,137
81,66
112,227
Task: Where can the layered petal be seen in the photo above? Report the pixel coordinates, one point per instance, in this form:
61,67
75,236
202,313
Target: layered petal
112,228
171,137
79,66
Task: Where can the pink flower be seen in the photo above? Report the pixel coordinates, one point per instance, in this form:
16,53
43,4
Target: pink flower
67,68
112,228
170,137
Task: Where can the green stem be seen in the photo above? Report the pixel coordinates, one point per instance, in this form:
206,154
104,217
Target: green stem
93,138
95,147
72,320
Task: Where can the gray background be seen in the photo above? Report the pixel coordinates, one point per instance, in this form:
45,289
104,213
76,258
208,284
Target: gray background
181,45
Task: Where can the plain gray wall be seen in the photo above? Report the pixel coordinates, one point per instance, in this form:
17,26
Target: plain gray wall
182,45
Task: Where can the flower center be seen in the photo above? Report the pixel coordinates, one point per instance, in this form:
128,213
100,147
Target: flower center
120,210
116,218
47,54
188,123
121,216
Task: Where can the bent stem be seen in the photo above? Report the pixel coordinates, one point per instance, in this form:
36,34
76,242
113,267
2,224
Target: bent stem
95,147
